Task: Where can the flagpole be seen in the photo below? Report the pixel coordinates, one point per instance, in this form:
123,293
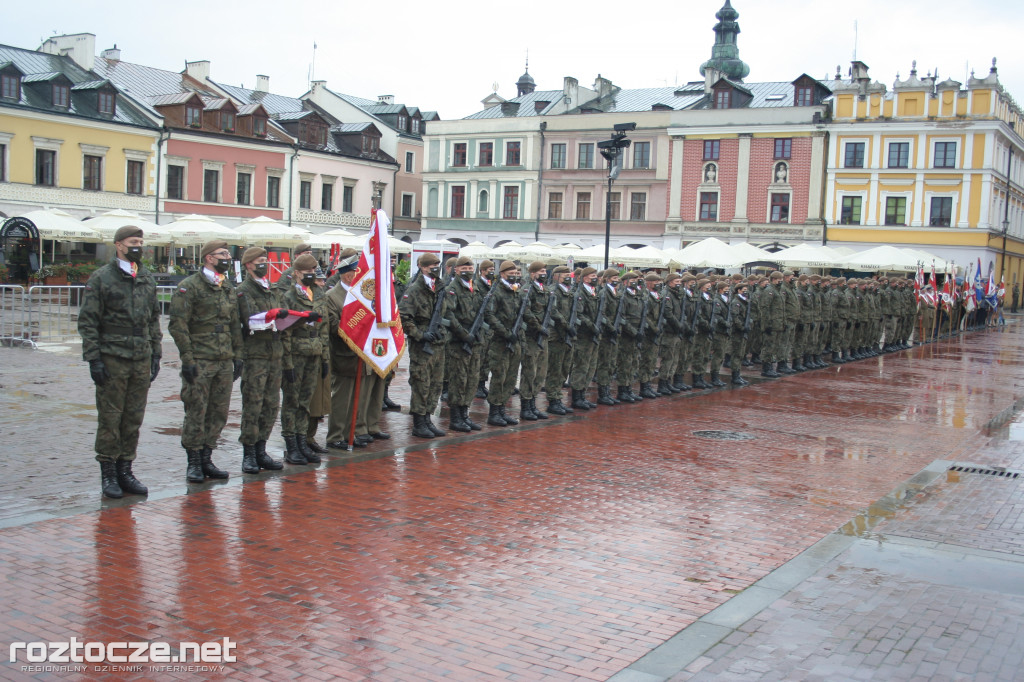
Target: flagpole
355,404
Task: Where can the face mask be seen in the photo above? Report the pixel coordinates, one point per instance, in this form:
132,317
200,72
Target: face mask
466,276
260,270
223,265
309,279
134,254
515,280
434,272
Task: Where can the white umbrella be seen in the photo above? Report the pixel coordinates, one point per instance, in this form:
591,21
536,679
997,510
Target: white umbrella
61,226
264,231
195,230
804,256
708,253
644,257
476,250
928,258
107,224
883,258
537,251
748,253
324,240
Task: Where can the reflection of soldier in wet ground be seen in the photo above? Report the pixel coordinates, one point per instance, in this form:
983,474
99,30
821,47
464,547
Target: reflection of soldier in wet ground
205,327
119,323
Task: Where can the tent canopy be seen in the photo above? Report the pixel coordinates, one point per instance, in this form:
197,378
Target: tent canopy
107,224
61,226
195,230
264,231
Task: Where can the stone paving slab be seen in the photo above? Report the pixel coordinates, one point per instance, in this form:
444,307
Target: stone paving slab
565,551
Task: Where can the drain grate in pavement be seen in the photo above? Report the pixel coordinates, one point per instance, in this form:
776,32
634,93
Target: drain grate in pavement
968,469
723,435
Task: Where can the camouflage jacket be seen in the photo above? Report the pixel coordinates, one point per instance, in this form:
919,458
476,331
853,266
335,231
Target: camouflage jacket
461,308
534,315
632,305
501,315
720,310
738,310
252,299
204,321
772,308
586,313
305,338
417,307
792,303
120,315
562,310
673,309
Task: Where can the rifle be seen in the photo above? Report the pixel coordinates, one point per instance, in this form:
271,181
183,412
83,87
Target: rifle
746,321
660,327
436,319
519,319
546,322
728,317
711,322
617,322
574,317
600,314
478,321
682,314
642,328
696,313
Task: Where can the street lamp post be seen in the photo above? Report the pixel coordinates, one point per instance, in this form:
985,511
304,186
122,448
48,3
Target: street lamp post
611,150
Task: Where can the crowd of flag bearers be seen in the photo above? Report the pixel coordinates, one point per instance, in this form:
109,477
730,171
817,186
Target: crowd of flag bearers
313,345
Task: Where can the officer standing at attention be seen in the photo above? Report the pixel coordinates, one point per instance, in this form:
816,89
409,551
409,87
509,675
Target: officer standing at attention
559,350
506,347
261,353
205,327
483,282
535,350
464,301
739,331
426,346
119,323
305,360
608,351
588,338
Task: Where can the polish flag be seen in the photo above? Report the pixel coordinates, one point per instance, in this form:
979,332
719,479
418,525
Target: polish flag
919,282
270,320
370,324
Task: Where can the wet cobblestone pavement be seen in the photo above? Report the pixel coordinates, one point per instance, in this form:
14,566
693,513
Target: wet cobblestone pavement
572,549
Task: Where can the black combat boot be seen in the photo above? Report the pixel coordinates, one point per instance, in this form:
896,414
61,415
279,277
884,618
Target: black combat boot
604,396
539,413
677,383
429,423
809,362
494,417
419,426
455,421
509,419
837,358
748,362
768,371
108,479
469,422
210,469
307,452
624,396
646,391
194,472
698,381
663,388
481,390
292,453
784,368
126,479
249,465
738,380
798,364
525,411
264,460
390,404
716,380
555,407
579,400
444,392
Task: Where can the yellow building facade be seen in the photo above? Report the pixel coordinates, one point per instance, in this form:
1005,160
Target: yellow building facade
932,165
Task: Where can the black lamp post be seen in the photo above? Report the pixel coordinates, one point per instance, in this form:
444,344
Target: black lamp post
611,150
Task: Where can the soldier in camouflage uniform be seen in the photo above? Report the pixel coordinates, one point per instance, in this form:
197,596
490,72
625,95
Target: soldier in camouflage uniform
801,338
561,340
119,323
687,336
259,308
671,331
483,282
284,282
792,303
771,306
205,327
719,330
588,338
608,350
648,339
701,343
740,321
506,344
426,346
305,359
463,306
535,349
630,309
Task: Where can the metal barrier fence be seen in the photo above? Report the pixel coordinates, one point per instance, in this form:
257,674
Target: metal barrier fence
48,314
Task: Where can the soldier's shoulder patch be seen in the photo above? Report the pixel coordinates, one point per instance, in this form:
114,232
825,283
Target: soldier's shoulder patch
240,294
183,290
405,296
451,293
88,287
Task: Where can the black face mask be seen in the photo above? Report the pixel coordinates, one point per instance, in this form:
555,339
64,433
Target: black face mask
260,270
223,265
515,280
134,254
434,272
309,279
466,276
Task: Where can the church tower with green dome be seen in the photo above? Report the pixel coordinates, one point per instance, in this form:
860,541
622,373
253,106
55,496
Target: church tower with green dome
725,55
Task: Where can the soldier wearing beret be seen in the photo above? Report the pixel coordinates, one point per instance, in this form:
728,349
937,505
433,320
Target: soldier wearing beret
305,359
628,359
687,335
285,280
719,324
505,319
608,351
670,334
772,317
739,329
426,346
205,327
259,309
648,339
561,340
119,323
701,343
483,282
535,349
463,360
792,304
588,339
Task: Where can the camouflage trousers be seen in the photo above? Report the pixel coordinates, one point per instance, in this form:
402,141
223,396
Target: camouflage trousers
800,340
737,351
298,393
485,347
206,402
700,351
261,399
463,372
785,351
426,377
535,367
504,364
669,354
755,340
770,345
718,347
648,360
685,356
560,356
120,408
607,354
584,362
627,360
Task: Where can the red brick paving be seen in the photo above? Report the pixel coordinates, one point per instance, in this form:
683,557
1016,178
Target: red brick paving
564,552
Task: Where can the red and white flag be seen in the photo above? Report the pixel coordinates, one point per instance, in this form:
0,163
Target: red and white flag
370,324
919,282
270,319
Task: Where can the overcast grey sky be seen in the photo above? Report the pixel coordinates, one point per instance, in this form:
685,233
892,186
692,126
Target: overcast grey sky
445,56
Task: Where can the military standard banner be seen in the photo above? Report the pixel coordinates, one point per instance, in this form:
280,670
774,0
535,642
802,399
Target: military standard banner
369,321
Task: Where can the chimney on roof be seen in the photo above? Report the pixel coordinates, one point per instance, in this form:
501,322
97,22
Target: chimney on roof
385,99
199,70
81,47
262,83
316,86
113,54
603,86
509,108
